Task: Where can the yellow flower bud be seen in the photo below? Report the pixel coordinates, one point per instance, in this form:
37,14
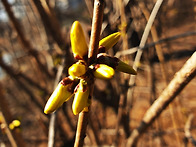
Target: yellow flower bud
77,70
14,124
62,93
78,42
11,126
103,71
126,68
109,41
81,98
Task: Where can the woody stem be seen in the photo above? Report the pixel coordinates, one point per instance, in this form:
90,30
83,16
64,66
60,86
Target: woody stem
92,56
95,32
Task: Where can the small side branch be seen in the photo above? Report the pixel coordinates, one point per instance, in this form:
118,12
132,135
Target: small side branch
187,130
51,132
140,51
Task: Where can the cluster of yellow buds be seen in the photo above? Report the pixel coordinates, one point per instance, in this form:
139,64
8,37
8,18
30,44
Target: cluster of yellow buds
77,82
14,124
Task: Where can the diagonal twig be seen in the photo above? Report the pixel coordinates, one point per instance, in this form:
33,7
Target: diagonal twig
15,135
140,51
7,131
134,49
162,65
180,80
187,130
51,132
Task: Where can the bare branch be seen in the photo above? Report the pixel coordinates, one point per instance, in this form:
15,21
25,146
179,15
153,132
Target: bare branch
161,58
134,49
140,51
180,80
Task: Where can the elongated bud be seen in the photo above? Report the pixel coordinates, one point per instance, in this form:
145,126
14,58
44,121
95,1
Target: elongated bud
81,98
115,63
103,71
109,41
62,93
78,42
77,70
126,68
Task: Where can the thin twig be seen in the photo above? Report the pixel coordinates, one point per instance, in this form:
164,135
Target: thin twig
147,29
92,55
122,113
134,49
180,80
15,136
187,126
162,64
7,131
140,51
187,130
51,132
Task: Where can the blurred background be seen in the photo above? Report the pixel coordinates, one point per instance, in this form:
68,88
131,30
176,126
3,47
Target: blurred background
35,52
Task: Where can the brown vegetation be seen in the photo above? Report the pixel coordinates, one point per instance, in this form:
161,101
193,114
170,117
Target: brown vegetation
35,54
